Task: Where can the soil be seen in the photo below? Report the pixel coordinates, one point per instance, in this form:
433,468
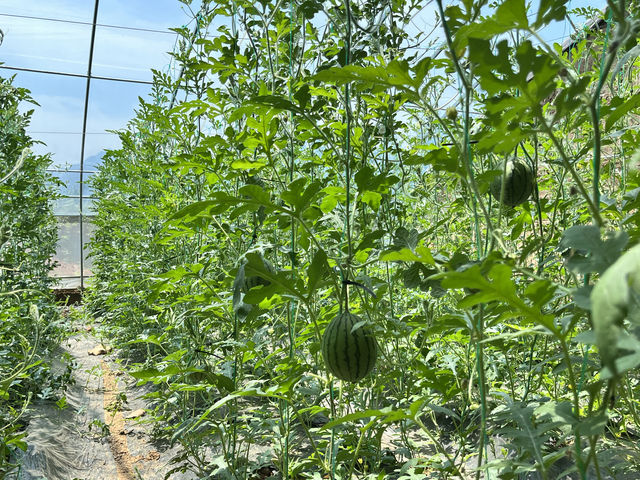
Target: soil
101,433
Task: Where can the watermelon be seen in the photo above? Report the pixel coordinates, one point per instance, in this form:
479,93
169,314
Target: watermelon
242,284
349,355
256,280
518,184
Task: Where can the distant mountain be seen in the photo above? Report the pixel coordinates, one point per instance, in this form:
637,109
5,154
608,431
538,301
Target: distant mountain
92,162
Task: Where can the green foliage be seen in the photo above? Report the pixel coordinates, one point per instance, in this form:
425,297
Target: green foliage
303,170
615,299
28,234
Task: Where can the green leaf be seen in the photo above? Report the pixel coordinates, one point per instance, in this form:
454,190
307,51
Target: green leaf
370,240
195,209
245,164
205,208
570,97
593,425
411,276
527,68
421,255
156,376
302,95
354,73
582,297
333,195
16,440
394,74
257,195
530,435
588,252
147,338
445,159
367,180
280,281
403,255
273,101
372,186
512,13
317,270
614,298
497,286
310,7
372,199
405,238
299,197
548,11
443,410
356,416
540,292
619,107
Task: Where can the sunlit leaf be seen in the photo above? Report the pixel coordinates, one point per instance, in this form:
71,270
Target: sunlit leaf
616,297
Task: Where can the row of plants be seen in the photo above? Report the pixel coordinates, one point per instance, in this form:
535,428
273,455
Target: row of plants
29,319
338,249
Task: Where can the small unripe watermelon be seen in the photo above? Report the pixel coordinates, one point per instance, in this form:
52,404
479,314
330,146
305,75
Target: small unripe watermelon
518,184
349,355
256,280
242,284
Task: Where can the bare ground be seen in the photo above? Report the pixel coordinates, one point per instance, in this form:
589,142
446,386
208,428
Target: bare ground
101,433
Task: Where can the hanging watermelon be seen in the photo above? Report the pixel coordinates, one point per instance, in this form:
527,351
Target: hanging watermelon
349,355
518,184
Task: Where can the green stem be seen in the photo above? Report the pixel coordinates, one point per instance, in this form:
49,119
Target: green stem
438,446
482,387
595,212
594,109
456,63
357,451
576,403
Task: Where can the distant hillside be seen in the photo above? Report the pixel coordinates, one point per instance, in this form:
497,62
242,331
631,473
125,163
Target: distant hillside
92,162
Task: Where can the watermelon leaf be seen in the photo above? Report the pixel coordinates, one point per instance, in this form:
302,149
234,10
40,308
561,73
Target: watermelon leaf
614,299
589,253
317,270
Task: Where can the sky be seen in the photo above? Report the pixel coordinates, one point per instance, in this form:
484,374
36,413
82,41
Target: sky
124,53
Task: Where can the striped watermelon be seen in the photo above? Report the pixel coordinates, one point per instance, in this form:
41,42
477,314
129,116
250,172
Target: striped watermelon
242,284
348,355
518,185
256,280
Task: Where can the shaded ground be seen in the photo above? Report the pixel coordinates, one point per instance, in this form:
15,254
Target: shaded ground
98,435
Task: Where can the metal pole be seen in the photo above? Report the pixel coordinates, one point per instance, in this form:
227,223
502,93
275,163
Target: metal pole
84,136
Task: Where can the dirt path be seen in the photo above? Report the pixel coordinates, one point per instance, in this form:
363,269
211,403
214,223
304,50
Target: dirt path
113,418
100,434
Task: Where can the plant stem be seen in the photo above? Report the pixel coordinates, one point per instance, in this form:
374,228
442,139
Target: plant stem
576,402
595,212
438,445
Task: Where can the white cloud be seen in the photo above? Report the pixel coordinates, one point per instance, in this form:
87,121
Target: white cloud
130,54
61,9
